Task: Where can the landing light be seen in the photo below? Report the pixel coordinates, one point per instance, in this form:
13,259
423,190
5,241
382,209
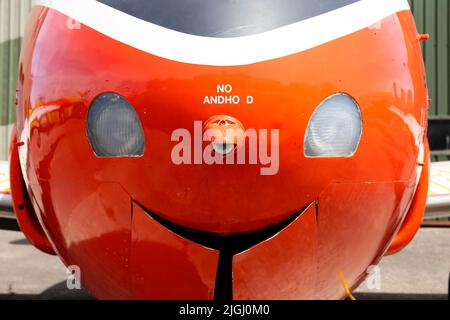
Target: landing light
114,128
335,128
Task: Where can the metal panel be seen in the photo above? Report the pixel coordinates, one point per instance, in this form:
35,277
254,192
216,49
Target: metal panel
13,15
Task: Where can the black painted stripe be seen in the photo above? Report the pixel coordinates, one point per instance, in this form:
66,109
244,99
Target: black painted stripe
225,18
232,244
228,246
223,290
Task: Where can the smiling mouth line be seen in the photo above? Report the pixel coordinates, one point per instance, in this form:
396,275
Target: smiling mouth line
227,245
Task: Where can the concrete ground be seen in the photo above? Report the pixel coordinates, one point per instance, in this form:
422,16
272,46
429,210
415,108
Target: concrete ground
419,272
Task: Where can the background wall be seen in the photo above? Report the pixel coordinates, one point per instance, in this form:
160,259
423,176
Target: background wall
432,16
13,14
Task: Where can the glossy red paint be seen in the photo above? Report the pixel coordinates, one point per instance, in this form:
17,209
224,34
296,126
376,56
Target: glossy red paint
344,248
166,266
414,219
85,203
281,268
26,216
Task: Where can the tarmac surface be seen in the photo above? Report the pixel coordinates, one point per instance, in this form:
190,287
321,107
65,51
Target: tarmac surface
421,271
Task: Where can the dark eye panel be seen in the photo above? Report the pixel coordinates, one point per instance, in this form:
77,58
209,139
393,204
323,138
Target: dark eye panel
225,18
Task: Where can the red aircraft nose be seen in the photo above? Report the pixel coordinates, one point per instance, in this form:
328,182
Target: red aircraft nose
171,221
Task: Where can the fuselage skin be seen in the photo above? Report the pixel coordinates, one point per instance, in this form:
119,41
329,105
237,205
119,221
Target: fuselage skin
94,211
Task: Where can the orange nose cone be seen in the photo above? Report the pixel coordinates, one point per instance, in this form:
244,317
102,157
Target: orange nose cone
225,133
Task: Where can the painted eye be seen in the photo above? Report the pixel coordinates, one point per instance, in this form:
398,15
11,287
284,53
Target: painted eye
114,128
335,128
